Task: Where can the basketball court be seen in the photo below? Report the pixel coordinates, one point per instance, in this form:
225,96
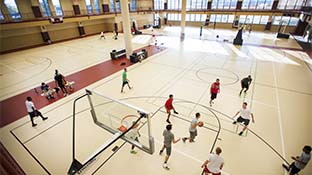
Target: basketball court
280,98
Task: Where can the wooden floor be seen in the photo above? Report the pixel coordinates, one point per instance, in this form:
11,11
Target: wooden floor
280,98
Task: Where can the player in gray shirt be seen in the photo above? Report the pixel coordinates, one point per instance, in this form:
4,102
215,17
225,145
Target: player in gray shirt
168,140
299,162
193,129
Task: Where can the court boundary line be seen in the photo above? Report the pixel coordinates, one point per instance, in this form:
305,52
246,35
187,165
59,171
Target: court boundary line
31,154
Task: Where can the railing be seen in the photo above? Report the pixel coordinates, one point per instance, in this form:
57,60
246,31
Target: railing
22,17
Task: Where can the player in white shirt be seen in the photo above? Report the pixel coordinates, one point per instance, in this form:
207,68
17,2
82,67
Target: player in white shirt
244,117
32,111
214,163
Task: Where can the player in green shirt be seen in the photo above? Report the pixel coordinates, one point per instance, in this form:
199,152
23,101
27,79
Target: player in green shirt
125,80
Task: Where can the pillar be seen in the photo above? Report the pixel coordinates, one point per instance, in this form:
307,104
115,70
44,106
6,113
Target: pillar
125,15
183,15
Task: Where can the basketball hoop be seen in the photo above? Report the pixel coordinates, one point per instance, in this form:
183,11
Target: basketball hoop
126,122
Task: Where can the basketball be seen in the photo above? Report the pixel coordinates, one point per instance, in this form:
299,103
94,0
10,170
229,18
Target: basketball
200,124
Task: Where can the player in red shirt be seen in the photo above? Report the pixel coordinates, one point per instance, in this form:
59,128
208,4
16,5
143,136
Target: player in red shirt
169,107
214,90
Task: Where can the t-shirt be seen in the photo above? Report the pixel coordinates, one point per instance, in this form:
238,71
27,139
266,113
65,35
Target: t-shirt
215,161
59,79
245,113
215,88
193,122
168,138
29,106
124,76
168,104
303,158
246,81
45,87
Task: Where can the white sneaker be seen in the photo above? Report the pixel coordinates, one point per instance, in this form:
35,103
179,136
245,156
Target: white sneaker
166,166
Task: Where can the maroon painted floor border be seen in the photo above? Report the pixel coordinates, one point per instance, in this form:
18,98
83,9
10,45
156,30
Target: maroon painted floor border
13,108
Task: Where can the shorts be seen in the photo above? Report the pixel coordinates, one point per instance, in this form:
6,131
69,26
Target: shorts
294,169
168,150
124,83
193,134
245,86
206,170
34,114
213,96
242,120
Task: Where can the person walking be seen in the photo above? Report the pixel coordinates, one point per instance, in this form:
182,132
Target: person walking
244,117
193,129
245,83
214,90
60,82
214,163
102,35
300,162
32,111
125,80
169,107
168,140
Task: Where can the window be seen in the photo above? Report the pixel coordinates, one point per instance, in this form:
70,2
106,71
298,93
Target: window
212,18
256,19
45,7
293,21
290,4
218,18
221,18
276,20
111,6
1,16
89,6
174,17
231,19
12,8
196,4
158,4
118,8
242,19
257,4
174,4
133,5
57,7
249,19
264,20
97,6
223,4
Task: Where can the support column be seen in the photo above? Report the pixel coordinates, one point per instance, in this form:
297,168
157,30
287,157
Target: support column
126,26
183,15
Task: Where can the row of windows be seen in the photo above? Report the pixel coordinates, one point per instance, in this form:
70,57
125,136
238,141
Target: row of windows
231,4
224,4
243,19
257,4
188,17
46,9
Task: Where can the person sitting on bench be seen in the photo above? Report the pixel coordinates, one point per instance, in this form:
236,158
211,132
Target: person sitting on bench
48,92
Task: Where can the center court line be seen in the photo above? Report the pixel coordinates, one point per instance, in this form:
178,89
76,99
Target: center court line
279,114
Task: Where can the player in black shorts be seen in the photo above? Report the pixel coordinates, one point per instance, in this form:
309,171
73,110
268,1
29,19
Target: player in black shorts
245,82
